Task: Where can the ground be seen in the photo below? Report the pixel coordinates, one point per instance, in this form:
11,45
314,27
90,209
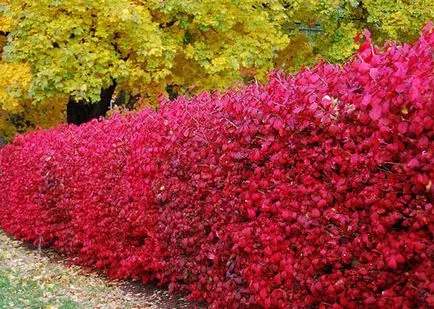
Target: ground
30,278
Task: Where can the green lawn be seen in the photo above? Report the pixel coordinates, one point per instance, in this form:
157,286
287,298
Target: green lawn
19,292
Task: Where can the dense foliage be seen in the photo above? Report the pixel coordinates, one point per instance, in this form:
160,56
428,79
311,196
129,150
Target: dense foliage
326,28
64,48
313,190
79,47
18,111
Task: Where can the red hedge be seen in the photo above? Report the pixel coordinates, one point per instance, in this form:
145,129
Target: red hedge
313,190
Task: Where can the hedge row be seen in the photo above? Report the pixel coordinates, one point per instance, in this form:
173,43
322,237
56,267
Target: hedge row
313,190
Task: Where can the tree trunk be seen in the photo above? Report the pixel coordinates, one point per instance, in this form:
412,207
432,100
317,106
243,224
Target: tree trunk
2,141
172,90
78,112
126,100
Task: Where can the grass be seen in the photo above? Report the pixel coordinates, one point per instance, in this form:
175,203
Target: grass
17,292
32,280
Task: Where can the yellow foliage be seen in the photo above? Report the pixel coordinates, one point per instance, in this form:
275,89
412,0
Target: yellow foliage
29,116
14,82
18,114
77,47
6,22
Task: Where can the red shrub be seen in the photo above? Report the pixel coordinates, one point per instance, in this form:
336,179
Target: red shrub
313,190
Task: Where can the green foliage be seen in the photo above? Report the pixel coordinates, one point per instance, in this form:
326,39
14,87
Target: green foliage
330,26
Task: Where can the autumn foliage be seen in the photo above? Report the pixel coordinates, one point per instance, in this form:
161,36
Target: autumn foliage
52,53
313,190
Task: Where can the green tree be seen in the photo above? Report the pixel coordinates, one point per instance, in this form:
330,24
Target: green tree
325,29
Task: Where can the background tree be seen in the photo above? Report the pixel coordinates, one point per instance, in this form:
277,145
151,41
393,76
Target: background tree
18,112
87,49
325,29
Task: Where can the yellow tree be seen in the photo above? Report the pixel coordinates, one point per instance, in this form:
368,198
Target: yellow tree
86,49
18,113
